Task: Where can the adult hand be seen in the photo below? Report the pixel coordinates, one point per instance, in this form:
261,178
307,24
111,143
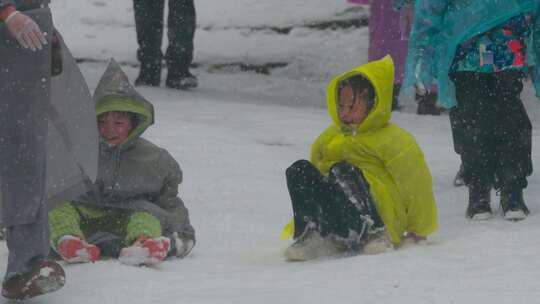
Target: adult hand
25,31
421,89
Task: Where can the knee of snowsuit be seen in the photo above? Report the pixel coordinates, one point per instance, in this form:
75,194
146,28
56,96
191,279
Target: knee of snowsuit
337,205
491,129
84,220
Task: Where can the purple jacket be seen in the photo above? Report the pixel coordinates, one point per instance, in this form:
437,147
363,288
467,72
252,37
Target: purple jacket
388,32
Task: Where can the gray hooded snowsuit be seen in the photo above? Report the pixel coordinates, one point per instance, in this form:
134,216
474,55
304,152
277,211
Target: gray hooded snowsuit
134,176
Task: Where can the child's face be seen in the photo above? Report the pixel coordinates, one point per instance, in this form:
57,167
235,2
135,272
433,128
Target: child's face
114,127
352,110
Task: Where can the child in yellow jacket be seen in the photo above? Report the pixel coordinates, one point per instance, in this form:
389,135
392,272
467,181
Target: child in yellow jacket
367,179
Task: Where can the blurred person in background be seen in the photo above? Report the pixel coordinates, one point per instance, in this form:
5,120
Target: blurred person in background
479,53
149,21
390,23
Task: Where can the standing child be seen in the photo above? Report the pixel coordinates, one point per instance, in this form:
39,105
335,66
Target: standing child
367,178
479,52
133,210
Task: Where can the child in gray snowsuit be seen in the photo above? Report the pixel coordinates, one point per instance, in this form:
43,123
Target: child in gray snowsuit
132,210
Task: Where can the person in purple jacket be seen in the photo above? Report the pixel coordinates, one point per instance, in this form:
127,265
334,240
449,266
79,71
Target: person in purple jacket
389,27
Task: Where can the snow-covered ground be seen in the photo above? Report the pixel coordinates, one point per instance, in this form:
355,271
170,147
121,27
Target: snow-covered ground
235,136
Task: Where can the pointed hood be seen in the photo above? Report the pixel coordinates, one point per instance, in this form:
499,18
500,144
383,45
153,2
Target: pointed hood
115,93
381,75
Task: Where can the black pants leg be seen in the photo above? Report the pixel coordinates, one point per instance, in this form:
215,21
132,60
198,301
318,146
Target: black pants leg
395,97
181,31
352,205
149,26
336,205
308,191
491,130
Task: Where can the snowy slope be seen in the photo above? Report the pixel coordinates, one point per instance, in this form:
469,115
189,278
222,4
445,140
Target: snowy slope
234,143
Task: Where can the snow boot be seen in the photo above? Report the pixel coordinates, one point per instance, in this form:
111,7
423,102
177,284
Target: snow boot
145,251
44,277
74,250
312,245
513,205
479,202
377,243
183,81
180,246
150,74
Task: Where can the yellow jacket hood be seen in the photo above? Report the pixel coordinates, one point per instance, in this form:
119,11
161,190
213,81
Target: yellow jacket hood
381,75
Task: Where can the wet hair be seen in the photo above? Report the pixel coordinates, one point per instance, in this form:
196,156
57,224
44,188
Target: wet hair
359,83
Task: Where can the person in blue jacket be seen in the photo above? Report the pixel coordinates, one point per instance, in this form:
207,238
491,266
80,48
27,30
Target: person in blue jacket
478,53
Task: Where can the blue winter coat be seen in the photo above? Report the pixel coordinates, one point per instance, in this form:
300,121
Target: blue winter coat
441,25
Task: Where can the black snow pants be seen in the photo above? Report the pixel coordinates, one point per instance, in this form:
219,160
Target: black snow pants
339,205
491,129
180,31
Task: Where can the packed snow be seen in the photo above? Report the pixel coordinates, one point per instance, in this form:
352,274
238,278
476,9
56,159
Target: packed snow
234,137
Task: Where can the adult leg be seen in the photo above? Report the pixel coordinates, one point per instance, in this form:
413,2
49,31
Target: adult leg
513,138
179,55
513,133
473,123
149,27
25,90
27,244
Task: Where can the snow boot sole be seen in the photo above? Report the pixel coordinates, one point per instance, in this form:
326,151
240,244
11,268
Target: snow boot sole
45,277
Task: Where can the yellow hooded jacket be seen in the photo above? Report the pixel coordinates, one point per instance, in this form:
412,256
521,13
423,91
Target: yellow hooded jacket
389,156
